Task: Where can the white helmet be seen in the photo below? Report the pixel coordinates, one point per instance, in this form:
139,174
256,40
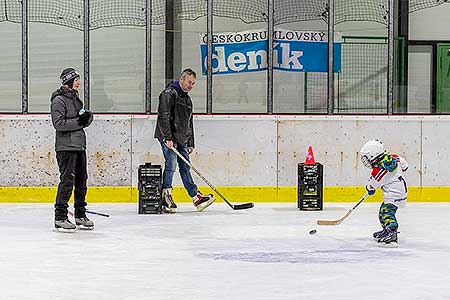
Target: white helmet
372,152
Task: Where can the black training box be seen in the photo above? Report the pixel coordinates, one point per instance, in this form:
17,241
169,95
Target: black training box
310,186
150,186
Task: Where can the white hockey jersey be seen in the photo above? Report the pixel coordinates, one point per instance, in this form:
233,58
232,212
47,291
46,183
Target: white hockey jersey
393,184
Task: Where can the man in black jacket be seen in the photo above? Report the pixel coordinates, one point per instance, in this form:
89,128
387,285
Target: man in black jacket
174,128
69,118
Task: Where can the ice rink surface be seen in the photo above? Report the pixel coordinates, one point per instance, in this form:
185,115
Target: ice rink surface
261,253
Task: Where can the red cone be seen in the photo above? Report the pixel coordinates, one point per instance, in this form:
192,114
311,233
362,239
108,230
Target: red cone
310,157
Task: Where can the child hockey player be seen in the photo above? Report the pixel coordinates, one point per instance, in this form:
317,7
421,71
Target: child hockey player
387,169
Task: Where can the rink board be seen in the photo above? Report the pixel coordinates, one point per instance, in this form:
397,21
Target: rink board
248,157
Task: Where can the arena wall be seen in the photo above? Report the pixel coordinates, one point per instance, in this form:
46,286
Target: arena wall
247,157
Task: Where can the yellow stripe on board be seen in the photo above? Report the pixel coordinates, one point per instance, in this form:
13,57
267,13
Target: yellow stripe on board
232,193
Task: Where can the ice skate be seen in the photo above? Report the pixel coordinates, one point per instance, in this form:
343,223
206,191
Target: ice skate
84,223
202,201
389,239
168,205
378,234
64,225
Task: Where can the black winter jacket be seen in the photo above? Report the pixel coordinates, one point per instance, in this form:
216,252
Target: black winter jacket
65,106
175,116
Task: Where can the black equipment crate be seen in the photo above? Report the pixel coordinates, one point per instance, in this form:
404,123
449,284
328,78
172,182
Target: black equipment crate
150,188
310,186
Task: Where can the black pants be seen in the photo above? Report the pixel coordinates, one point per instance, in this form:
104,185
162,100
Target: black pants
73,172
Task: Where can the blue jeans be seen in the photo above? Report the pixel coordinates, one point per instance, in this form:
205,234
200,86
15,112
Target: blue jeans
170,166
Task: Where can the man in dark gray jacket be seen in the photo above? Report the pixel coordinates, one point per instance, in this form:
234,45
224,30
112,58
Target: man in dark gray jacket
174,129
69,119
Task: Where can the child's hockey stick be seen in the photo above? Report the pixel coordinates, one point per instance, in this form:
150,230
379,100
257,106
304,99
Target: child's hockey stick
339,221
233,206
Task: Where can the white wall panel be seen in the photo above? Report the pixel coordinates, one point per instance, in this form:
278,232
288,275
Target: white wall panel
27,152
145,148
109,151
436,157
237,150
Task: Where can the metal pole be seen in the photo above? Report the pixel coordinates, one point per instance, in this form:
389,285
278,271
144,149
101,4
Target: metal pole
390,75
270,31
330,105
209,79
170,42
24,56
148,57
402,52
86,54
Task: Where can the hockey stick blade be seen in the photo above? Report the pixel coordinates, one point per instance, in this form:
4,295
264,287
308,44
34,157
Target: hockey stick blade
328,222
243,206
334,222
339,221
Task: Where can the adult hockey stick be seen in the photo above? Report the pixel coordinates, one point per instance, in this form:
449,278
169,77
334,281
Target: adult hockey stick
339,221
233,206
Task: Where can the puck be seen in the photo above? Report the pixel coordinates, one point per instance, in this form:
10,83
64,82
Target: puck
313,231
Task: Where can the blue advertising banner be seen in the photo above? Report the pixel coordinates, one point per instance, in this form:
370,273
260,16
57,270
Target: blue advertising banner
294,51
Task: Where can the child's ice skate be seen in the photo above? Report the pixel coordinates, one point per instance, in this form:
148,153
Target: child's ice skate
389,239
378,234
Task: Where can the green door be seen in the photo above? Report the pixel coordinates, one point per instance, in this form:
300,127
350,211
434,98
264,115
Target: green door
443,79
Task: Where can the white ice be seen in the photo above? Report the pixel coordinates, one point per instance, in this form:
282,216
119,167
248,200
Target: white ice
261,253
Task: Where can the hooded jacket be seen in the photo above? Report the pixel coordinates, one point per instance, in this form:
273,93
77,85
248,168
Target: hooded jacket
175,116
65,106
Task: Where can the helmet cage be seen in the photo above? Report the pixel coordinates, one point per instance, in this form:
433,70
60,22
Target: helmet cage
374,162
365,161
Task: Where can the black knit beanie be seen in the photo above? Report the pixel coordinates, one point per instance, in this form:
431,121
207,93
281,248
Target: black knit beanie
68,77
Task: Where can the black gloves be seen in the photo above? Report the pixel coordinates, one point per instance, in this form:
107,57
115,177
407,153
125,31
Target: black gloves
83,119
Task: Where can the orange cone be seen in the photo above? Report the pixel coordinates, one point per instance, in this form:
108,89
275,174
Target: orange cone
310,157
